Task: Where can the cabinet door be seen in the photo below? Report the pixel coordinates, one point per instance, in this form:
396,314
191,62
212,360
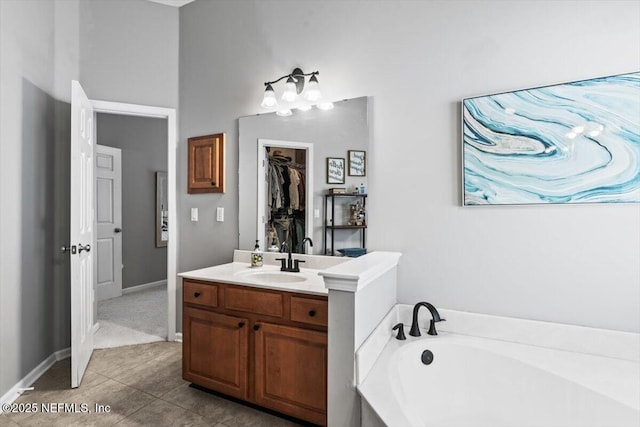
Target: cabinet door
215,351
206,164
291,371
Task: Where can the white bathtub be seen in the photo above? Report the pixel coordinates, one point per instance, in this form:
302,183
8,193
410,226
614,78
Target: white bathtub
485,382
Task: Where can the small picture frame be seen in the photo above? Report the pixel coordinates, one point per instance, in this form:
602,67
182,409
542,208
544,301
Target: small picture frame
335,170
357,163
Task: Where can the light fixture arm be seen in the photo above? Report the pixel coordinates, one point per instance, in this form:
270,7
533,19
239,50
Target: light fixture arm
297,72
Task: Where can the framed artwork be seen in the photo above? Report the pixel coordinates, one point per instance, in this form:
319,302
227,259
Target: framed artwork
575,142
357,163
335,170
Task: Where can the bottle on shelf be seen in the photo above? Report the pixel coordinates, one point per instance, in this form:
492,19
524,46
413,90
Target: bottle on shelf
361,189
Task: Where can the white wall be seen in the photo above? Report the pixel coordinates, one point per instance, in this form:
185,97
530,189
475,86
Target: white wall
571,264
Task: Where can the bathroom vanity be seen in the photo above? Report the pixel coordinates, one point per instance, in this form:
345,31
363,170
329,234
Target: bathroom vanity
259,335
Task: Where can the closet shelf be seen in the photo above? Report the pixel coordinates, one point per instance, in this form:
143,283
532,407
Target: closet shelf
344,227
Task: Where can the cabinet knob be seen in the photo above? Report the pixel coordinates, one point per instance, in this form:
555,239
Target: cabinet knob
240,324
256,327
213,183
312,313
196,294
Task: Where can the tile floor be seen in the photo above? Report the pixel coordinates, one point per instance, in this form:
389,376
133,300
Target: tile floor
143,385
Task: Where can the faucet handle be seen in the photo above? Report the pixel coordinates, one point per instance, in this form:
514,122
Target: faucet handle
283,263
296,265
400,327
432,326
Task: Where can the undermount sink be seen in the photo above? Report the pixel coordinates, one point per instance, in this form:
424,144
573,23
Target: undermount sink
272,277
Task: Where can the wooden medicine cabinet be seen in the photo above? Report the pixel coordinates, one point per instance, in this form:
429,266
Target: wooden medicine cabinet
206,164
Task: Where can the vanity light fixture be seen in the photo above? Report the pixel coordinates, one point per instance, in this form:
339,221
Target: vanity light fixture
293,87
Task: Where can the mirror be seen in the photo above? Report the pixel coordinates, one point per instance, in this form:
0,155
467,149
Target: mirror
162,210
331,134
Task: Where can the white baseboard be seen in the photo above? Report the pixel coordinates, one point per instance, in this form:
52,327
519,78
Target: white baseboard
178,337
32,377
144,286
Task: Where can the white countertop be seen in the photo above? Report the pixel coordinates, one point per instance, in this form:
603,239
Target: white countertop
241,273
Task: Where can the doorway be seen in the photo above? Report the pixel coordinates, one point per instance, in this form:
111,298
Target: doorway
285,193
169,145
131,273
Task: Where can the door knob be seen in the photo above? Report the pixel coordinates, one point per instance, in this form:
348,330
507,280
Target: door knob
84,248
118,230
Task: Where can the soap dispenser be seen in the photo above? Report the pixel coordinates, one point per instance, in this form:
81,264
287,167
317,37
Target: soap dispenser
256,256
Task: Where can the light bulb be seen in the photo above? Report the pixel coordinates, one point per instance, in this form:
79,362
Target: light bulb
325,105
312,93
290,93
269,99
284,113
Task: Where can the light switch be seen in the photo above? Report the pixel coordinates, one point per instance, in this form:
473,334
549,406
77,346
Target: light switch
220,214
194,214
316,213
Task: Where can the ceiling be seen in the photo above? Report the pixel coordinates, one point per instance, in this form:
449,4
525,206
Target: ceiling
176,3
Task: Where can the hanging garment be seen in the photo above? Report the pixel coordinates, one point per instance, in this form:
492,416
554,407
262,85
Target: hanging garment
294,176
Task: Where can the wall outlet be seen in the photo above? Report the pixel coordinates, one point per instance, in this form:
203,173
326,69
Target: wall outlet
220,214
194,214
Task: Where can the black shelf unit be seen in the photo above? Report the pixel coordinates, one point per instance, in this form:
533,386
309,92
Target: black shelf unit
329,225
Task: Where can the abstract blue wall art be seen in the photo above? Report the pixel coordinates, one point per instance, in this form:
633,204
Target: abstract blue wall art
576,142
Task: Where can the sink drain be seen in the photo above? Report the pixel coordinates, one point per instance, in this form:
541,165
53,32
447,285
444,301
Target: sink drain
427,357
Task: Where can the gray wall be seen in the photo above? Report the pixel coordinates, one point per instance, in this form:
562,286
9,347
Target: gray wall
121,52
34,186
332,133
143,142
128,51
557,263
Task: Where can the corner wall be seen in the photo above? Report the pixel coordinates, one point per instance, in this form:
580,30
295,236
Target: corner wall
34,184
418,60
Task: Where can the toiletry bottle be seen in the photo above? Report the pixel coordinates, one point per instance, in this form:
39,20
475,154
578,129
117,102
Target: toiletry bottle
256,256
361,189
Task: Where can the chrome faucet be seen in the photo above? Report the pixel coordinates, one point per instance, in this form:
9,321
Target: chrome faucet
435,317
305,240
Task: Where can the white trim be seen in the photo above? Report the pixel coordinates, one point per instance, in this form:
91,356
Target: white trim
11,395
172,147
262,143
178,337
174,3
354,275
95,328
142,287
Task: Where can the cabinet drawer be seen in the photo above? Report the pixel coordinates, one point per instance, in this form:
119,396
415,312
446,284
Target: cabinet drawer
258,302
307,310
198,293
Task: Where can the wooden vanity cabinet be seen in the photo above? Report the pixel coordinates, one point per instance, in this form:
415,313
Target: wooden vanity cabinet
264,346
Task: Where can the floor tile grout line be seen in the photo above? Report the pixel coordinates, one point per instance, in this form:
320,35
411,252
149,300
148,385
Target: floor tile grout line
136,411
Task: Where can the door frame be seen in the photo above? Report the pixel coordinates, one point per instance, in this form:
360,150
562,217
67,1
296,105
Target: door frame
262,203
123,109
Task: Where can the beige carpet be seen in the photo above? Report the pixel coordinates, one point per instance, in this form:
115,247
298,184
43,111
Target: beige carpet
135,318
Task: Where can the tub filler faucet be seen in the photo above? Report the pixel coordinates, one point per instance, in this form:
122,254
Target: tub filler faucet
435,317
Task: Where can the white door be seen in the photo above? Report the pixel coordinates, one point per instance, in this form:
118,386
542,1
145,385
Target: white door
82,297
108,222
